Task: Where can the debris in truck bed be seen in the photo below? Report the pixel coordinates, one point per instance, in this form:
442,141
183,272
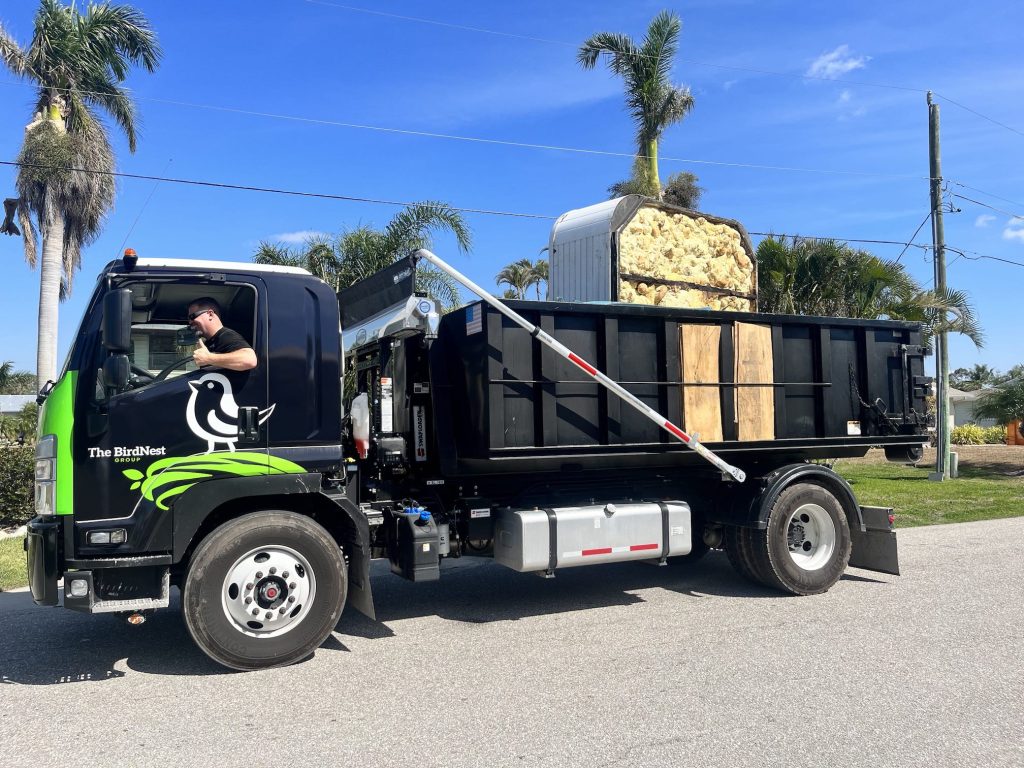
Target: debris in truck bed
677,253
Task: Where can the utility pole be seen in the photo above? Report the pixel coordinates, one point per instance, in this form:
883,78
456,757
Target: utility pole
939,242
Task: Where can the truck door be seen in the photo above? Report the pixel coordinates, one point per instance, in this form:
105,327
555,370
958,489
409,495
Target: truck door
174,425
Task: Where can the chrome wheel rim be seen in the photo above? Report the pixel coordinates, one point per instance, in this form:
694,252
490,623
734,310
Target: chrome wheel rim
268,591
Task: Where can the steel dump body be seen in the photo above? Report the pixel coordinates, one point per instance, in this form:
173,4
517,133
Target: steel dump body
504,403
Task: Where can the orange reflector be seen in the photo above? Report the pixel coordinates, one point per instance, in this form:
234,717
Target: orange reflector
136,618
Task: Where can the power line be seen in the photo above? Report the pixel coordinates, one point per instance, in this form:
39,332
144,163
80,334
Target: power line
913,237
983,117
567,44
502,142
352,198
272,190
990,207
842,239
697,62
987,194
975,256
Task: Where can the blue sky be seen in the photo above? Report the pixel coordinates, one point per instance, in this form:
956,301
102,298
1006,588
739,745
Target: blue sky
328,63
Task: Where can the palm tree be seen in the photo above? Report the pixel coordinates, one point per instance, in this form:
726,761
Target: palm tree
979,376
14,382
518,276
1005,404
652,100
830,279
358,253
78,63
539,274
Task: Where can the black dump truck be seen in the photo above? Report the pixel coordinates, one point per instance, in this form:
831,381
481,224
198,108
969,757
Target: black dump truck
375,427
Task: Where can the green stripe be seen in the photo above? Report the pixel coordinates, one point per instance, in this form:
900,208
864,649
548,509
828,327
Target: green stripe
57,417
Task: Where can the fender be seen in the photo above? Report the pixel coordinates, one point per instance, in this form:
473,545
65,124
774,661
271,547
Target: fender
194,507
750,503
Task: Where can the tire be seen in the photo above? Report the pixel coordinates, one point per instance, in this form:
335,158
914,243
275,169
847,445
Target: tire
266,562
911,454
805,547
740,552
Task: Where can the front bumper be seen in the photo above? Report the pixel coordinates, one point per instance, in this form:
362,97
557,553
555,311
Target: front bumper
43,544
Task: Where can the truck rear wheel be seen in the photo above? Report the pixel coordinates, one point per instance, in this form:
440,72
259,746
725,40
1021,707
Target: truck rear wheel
805,547
264,590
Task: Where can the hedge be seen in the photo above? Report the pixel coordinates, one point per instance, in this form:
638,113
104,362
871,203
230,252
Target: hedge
17,464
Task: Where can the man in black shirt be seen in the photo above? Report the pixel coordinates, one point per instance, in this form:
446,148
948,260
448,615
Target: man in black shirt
219,346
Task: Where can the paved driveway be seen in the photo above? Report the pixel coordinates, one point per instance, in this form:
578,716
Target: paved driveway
619,665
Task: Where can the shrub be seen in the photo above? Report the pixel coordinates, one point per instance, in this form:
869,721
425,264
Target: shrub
17,463
967,434
995,435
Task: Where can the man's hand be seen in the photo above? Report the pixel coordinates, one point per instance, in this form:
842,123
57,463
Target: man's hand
202,356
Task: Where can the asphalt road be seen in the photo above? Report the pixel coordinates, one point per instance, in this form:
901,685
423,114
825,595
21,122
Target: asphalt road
615,665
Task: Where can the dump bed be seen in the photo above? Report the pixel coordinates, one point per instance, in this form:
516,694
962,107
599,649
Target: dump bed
749,384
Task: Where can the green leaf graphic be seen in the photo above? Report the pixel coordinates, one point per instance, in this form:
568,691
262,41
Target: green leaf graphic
169,477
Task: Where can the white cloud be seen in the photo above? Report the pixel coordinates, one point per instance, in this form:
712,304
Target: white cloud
728,84
297,238
844,97
1014,229
835,63
984,220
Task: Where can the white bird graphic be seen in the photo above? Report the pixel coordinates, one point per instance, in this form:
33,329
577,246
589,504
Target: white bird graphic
212,413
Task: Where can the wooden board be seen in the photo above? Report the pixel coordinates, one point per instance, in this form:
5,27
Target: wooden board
755,406
702,406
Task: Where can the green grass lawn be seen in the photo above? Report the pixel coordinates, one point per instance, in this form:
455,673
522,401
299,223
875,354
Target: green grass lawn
12,563
976,495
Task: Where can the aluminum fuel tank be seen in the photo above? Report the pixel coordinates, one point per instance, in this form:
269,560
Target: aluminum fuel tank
565,537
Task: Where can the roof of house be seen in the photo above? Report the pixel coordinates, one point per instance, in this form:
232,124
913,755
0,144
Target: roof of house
14,403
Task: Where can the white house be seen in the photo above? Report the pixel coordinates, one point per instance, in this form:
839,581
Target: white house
11,405
962,406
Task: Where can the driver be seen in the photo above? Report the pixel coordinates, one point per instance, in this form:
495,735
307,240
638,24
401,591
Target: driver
218,346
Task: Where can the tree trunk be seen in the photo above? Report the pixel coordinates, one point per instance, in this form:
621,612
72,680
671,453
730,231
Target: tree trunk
49,298
652,168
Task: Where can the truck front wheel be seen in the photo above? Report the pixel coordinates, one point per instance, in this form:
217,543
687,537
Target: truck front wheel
805,547
264,590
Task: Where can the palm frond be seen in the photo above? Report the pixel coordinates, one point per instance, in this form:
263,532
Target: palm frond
661,44
439,286
12,54
118,36
620,49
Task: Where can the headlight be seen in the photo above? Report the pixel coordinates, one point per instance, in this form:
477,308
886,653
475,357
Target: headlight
46,475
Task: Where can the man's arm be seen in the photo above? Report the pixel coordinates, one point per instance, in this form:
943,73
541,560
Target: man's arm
239,360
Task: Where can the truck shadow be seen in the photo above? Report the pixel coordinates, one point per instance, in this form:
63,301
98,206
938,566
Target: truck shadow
56,647
479,591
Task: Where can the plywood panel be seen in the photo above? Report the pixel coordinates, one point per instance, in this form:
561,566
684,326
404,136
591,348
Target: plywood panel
755,406
702,407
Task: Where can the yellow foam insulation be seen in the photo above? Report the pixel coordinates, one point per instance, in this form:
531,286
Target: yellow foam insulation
674,246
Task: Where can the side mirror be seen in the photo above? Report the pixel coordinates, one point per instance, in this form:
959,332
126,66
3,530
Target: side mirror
116,372
117,322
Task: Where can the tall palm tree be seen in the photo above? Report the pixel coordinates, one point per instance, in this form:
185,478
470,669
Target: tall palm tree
358,253
652,100
77,62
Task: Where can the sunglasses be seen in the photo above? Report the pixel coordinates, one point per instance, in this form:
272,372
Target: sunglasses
197,313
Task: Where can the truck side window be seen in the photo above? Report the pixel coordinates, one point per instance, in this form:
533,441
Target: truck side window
162,342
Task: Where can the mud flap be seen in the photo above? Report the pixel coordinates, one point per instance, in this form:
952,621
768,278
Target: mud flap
874,549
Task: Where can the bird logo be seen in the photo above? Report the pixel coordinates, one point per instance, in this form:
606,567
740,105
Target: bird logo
212,413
